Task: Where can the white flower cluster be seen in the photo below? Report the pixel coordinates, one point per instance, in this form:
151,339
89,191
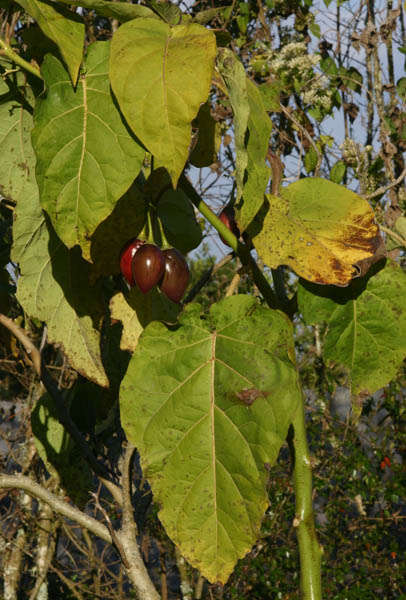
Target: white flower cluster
358,157
293,63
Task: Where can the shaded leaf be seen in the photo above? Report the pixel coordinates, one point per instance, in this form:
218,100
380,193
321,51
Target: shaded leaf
168,11
401,87
137,310
124,223
208,141
257,172
58,452
122,11
86,157
320,229
203,448
160,76
366,325
63,27
233,73
179,221
310,160
54,287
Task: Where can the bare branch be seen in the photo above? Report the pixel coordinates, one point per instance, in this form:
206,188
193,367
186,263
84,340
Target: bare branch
61,507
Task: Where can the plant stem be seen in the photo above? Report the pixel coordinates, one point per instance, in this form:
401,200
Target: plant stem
241,249
13,56
309,549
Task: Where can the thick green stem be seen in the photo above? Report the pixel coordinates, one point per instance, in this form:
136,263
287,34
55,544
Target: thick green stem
241,249
309,548
7,51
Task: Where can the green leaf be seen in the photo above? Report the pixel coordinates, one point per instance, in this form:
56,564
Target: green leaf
160,76
401,87
63,27
257,172
122,11
315,29
353,79
86,157
366,325
271,95
167,11
179,221
205,16
208,405
208,141
17,165
233,73
328,66
54,287
310,160
320,229
137,310
58,452
337,172
400,226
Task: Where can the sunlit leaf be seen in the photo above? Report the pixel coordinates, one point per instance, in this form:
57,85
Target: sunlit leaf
86,157
208,405
160,76
324,231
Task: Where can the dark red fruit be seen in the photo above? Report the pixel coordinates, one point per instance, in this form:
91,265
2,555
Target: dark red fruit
126,256
148,266
176,275
228,218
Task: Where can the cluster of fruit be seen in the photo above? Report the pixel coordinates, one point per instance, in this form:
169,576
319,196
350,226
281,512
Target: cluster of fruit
146,265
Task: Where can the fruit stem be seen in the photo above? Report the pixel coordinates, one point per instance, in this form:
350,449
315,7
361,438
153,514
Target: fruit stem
150,232
241,249
164,242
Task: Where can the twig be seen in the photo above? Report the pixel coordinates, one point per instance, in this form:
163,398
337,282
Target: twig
116,541
61,507
393,235
233,285
307,136
127,536
14,57
382,190
63,413
205,278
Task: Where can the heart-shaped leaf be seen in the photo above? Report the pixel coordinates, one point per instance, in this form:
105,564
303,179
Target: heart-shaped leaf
86,157
208,405
160,76
325,232
366,325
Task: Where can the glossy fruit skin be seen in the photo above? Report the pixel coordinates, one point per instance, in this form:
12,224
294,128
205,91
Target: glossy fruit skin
126,257
148,267
176,277
227,217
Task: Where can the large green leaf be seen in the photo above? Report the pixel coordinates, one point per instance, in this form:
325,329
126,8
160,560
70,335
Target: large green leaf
208,405
160,76
233,73
366,325
325,232
257,172
17,179
86,157
63,27
54,287
123,11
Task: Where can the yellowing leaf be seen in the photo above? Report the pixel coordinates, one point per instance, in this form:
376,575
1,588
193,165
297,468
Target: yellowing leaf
160,76
325,232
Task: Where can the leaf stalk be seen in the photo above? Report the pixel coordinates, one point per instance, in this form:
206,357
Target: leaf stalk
16,58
